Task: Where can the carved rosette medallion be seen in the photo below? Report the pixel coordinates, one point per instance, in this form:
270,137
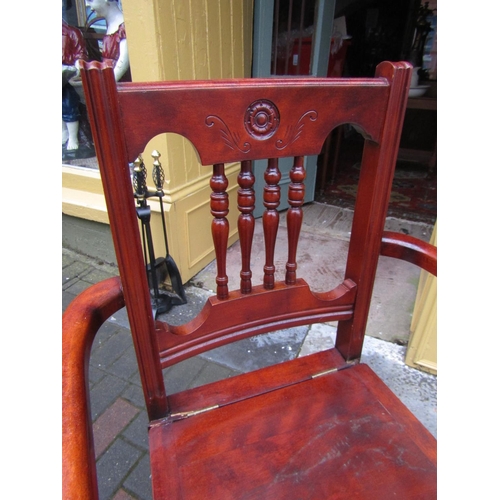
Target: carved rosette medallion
262,119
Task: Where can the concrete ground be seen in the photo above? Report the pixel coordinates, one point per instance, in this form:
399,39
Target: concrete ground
120,421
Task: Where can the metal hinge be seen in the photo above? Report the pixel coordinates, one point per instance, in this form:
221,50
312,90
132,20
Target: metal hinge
326,372
173,417
187,414
333,370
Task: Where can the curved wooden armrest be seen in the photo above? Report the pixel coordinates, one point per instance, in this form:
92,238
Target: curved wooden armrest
404,247
80,323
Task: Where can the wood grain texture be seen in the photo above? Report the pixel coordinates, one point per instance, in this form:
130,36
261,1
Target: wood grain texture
374,189
80,323
246,223
252,384
110,145
240,316
219,134
219,207
342,435
410,249
270,218
296,192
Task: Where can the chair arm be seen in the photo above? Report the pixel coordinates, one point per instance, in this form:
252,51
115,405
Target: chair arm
80,323
404,247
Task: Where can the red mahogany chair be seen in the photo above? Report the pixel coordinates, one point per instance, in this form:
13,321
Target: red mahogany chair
320,426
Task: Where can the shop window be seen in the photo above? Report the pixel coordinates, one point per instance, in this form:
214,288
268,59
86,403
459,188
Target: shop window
91,30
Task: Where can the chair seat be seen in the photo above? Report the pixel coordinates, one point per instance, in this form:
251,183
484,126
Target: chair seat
342,434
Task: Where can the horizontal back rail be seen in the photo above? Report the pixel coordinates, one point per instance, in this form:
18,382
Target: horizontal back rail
241,316
240,120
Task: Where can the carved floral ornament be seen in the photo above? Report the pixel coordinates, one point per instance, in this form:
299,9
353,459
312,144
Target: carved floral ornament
261,120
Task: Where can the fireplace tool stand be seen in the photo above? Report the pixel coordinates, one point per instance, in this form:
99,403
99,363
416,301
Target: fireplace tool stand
164,279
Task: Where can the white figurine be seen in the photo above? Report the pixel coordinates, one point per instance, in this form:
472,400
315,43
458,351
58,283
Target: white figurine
73,49
114,46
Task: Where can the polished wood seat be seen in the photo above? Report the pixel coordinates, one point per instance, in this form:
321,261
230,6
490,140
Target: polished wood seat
340,434
319,426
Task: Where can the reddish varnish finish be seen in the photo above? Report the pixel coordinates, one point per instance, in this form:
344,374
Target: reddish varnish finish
271,218
246,223
296,192
236,317
341,435
219,206
323,426
81,321
411,249
261,381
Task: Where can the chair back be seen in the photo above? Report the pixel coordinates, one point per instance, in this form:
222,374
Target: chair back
243,120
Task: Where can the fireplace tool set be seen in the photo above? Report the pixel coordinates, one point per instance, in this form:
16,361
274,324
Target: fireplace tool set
164,278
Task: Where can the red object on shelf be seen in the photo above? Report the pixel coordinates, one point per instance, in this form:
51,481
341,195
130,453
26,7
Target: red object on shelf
301,65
